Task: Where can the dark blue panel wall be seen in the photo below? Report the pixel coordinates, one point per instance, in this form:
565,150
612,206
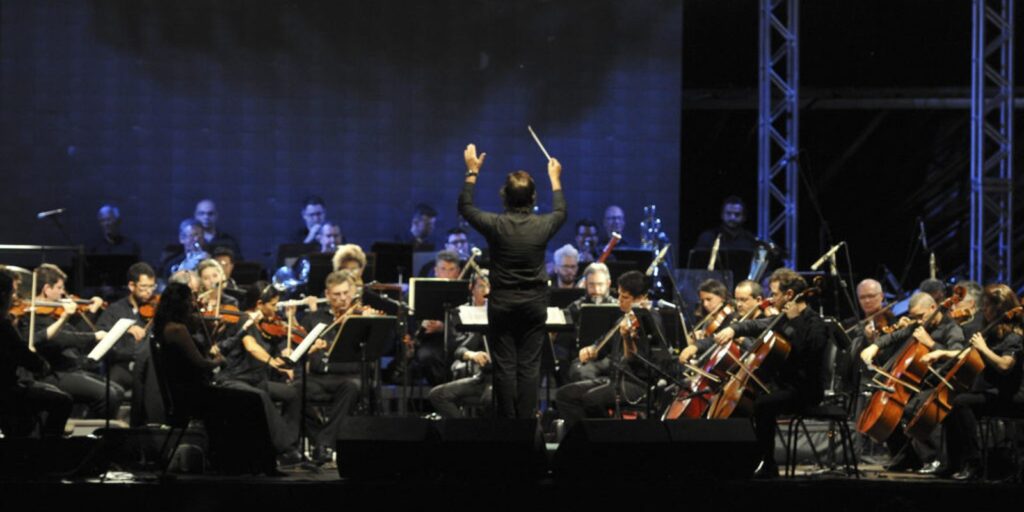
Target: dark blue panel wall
256,104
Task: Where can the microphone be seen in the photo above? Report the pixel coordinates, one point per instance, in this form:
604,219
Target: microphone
49,213
662,303
476,251
714,252
824,257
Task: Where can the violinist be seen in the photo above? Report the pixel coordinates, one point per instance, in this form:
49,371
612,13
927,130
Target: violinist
996,392
340,381
21,396
626,377
64,344
799,383
472,386
226,257
141,285
714,302
247,361
966,311
941,333
211,286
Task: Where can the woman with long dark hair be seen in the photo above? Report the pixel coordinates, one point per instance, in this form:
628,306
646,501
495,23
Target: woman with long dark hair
184,366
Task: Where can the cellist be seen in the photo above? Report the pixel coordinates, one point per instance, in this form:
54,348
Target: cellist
940,333
799,383
996,392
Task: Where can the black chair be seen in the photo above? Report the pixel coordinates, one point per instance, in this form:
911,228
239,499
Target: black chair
834,409
989,427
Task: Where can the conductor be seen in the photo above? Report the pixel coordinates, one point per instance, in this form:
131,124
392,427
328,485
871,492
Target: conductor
517,304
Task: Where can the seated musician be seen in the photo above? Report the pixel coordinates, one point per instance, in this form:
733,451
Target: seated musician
330,237
586,241
966,311
206,214
734,237
421,228
22,397
430,360
111,240
211,286
941,333
471,384
314,217
350,257
247,362
457,241
63,340
997,391
614,222
566,262
226,257
141,287
871,299
626,377
188,252
598,282
714,298
338,382
799,382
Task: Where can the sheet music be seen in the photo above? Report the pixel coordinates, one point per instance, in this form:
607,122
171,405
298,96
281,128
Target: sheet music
112,336
556,317
473,315
308,342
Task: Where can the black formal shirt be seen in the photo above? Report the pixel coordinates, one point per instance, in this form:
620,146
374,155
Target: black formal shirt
222,239
1007,385
807,335
119,244
67,349
947,335
732,239
318,360
123,350
517,239
14,353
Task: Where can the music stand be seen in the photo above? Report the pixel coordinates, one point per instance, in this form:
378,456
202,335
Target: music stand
562,297
320,265
594,322
430,299
363,339
392,260
108,269
738,261
617,268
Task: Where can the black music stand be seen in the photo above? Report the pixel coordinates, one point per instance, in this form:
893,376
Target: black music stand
562,297
393,260
595,320
735,260
363,339
431,298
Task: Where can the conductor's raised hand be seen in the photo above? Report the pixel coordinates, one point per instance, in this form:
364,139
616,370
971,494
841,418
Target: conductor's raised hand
473,162
554,169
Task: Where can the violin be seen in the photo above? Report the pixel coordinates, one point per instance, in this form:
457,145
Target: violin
148,310
49,308
277,328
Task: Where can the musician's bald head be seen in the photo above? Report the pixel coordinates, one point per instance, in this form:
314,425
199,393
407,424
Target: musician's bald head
922,299
869,294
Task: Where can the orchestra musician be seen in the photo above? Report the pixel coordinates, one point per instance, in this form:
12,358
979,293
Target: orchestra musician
625,378
63,341
734,237
111,240
567,265
314,216
21,395
430,359
998,391
598,281
122,362
352,258
966,311
714,297
586,241
206,214
941,333
471,384
338,381
614,222
799,383
517,305
188,252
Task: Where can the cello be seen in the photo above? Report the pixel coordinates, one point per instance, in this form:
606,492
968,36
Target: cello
903,374
956,375
764,358
711,369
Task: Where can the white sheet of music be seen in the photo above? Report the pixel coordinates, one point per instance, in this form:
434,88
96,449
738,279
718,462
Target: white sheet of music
112,336
556,316
473,315
308,342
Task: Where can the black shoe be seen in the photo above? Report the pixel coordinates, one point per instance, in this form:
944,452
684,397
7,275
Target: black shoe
289,458
970,472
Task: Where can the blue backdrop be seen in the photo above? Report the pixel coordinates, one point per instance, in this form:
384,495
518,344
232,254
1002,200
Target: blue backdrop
256,104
